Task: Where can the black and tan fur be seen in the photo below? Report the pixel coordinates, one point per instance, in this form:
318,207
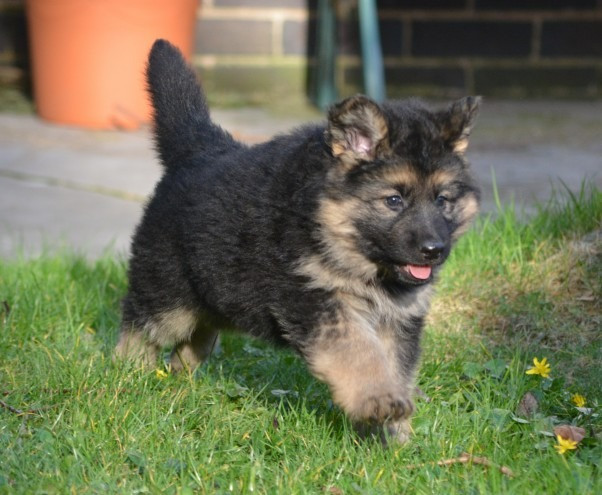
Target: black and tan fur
326,239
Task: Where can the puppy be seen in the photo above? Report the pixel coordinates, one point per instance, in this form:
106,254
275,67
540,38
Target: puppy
327,239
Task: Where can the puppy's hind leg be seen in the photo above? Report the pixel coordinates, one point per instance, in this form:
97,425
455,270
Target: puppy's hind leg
134,345
142,342
187,355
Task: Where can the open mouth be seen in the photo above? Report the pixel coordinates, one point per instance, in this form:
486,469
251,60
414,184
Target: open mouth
416,273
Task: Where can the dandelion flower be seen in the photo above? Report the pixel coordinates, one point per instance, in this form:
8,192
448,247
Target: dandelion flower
540,368
564,444
578,400
160,374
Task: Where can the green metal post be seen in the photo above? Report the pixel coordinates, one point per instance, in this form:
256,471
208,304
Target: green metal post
324,90
372,57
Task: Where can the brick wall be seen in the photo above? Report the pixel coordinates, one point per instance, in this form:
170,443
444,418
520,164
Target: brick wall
510,48
254,50
14,56
492,47
258,50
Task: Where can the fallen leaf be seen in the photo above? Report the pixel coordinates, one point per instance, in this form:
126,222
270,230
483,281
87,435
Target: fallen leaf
527,406
283,393
522,421
568,432
546,433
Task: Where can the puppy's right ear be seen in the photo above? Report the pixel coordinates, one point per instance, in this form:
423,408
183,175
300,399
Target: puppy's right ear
357,130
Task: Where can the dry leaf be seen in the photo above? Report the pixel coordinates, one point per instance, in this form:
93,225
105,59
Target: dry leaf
527,406
568,432
466,458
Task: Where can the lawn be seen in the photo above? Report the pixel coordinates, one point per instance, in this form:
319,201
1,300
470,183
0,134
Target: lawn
253,420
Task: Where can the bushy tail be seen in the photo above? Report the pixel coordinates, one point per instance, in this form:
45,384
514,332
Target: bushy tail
182,124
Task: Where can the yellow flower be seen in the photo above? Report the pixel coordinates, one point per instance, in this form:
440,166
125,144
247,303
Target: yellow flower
564,444
578,400
160,374
540,368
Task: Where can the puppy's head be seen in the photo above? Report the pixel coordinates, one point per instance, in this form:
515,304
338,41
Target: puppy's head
399,190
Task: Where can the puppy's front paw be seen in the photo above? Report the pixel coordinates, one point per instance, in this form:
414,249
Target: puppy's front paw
380,408
382,404
395,432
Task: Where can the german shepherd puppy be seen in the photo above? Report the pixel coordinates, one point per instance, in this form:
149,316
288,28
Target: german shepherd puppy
327,239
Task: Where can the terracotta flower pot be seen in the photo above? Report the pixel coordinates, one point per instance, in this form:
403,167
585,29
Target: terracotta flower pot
89,56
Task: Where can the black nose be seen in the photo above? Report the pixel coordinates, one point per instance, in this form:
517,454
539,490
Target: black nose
432,250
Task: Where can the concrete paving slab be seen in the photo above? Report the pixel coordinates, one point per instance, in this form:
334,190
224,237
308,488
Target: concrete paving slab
35,217
527,177
111,161
85,189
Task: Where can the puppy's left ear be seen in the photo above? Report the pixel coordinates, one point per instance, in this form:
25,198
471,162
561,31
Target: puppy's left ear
457,122
357,130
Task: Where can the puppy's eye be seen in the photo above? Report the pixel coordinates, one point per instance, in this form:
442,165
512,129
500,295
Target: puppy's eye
441,200
394,202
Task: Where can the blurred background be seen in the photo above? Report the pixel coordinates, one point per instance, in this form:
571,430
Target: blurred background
254,51
268,65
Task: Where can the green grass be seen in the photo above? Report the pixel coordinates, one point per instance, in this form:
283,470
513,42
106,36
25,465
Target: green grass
253,419
15,100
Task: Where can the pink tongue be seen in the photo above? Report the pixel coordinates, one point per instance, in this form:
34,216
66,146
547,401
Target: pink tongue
420,272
